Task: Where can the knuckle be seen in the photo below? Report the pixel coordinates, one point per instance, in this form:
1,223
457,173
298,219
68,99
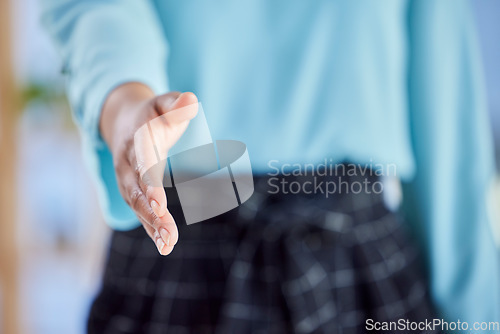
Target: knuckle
155,222
135,198
138,168
151,192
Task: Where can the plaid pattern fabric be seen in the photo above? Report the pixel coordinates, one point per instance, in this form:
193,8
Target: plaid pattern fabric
277,264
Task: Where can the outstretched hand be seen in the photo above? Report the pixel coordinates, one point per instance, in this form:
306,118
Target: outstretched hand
127,129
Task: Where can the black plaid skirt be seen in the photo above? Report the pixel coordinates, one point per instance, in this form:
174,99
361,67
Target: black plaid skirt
280,263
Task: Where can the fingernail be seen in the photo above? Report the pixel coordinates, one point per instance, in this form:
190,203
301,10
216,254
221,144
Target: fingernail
156,207
165,236
160,244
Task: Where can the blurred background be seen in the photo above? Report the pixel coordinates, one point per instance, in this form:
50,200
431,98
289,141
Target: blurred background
52,236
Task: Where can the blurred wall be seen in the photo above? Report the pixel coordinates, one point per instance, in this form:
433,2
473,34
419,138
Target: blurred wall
61,236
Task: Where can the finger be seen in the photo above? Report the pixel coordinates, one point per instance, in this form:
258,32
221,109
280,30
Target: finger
152,185
163,249
165,235
168,233
163,229
137,200
157,199
151,173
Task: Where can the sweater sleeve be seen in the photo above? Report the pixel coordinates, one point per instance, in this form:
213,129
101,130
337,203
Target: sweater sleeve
446,203
105,43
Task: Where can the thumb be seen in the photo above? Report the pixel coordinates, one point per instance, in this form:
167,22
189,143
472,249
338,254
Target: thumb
153,140
164,132
183,108
174,118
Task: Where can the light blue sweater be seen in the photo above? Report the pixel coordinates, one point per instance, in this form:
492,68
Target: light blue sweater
387,81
